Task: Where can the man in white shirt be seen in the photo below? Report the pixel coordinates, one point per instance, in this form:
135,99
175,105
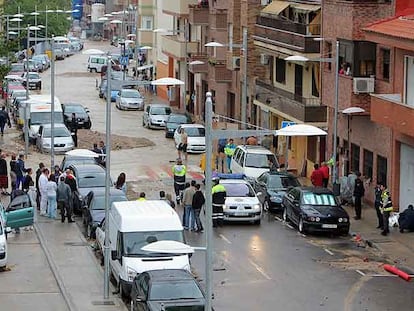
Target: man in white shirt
43,180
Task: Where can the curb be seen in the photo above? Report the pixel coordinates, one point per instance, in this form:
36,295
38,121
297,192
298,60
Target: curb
54,269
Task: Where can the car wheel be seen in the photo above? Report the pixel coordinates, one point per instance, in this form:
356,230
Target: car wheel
148,125
143,123
100,95
266,205
88,126
301,225
257,222
285,215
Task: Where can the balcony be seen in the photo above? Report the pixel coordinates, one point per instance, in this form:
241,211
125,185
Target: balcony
219,73
146,37
145,8
176,48
388,110
199,15
178,8
218,19
201,68
298,107
287,34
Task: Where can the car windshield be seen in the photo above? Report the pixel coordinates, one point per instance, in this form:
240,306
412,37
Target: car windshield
74,109
92,180
238,190
167,290
259,160
324,199
130,94
195,131
134,241
177,119
57,132
17,67
98,202
161,111
282,182
44,117
34,76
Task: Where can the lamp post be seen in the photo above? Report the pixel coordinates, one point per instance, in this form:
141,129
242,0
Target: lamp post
52,101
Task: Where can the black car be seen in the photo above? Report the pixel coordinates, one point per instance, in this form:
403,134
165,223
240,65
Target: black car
81,113
174,120
315,209
169,289
270,188
94,207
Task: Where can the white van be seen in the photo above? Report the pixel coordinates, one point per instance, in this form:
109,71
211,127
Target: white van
96,62
135,224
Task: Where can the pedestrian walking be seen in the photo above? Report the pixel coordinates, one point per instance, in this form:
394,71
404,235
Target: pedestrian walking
179,171
13,172
325,174
197,204
4,178
359,192
229,151
63,198
74,129
218,200
28,180
317,177
4,119
121,183
188,202
184,142
38,173
20,171
102,151
377,203
43,180
386,207
51,188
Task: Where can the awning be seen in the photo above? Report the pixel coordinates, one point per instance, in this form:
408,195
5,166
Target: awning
276,7
305,7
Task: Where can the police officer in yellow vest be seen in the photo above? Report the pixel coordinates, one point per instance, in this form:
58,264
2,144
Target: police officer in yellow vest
229,151
179,171
219,194
386,207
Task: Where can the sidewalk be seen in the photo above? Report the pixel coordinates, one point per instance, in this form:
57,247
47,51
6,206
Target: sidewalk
77,271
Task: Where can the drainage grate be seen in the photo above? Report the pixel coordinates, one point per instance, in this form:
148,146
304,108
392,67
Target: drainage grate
76,243
103,303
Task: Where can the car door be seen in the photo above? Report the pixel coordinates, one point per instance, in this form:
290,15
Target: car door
100,234
118,98
145,115
296,211
143,287
288,203
260,187
86,207
20,212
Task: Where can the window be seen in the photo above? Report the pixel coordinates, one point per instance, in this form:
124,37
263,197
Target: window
146,22
315,81
368,163
312,142
280,70
385,55
365,55
355,157
381,169
346,57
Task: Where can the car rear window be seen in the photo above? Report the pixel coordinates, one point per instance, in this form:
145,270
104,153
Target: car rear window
161,110
325,199
175,290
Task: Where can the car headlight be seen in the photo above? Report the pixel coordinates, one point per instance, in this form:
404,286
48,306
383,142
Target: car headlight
131,273
70,144
80,197
276,199
313,218
343,219
2,248
256,206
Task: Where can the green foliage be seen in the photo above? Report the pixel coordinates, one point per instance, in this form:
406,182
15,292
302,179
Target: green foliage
4,69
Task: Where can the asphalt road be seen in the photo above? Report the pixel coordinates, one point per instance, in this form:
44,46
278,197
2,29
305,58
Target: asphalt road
266,267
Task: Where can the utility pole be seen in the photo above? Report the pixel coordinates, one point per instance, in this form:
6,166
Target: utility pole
244,86
52,101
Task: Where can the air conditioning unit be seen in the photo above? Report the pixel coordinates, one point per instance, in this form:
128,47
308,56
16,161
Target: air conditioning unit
236,62
264,59
265,2
364,85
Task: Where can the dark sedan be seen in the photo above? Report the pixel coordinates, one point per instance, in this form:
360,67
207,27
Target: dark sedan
315,209
94,207
168,289
270,188
81,113
175,120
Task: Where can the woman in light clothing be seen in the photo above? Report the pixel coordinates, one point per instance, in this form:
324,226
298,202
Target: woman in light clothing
51,188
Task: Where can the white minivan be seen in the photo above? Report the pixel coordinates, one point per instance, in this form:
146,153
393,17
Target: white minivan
96,62
132,226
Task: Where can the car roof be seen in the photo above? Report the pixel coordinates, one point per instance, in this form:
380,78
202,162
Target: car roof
234,181
287,174
192,125
49,125
170,275
87,168
159,105
316,190
72,104
255,149
100,192
129,89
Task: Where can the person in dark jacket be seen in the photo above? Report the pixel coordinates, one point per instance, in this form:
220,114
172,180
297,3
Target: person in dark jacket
63,198
218,199
359,192
377,204
13,171
198,202
4,177
4,119
20,171
71,181
406,219
74,129
38,173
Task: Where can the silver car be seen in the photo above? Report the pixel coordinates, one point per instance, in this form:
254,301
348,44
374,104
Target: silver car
63,141
155,116
129,99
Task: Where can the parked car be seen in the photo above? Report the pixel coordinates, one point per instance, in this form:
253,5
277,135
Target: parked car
93,210
4,230
35,81
315,209
241,202
196,137
44,58
169,289
271,186
129,99
174,120
63,140
19,212
40,66
81,113
32,65
59,53
252,161
114,92
155,116
84,156
89,177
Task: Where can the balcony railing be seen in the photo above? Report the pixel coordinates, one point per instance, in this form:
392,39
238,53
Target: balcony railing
177,7
298,107
286,25
199,15
172,46
218,19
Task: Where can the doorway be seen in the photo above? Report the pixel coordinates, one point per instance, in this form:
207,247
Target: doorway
298,80
406,176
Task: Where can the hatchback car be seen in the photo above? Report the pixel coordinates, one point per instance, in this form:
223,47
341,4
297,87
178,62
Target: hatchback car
155,116
44,58
81,113
175,120
315,209
63,140
3,242
129,99
35,81
196,137
270,188
168,289
93,210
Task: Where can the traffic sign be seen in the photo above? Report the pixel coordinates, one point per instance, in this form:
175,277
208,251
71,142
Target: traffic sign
287,123
124,60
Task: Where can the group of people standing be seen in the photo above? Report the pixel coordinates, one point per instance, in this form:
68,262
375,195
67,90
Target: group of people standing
193,201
